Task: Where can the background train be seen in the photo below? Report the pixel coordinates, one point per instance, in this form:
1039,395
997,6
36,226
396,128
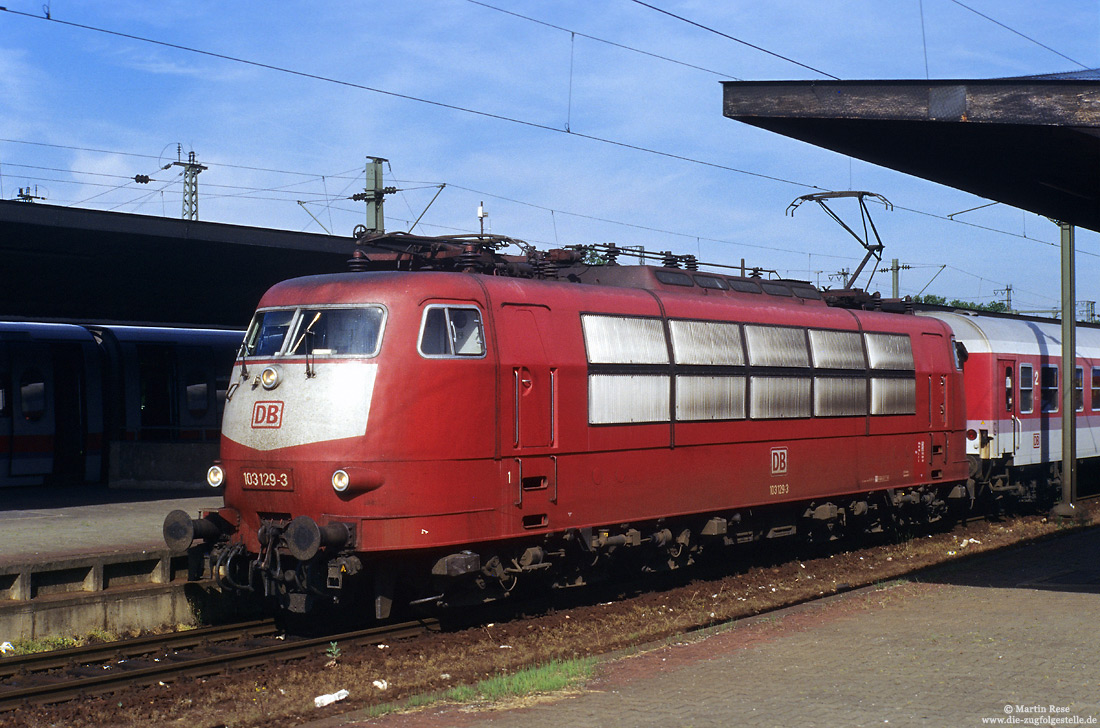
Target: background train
1014,397
123,405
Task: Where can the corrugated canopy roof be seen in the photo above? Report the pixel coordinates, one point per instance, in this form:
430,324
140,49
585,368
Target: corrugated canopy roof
1031,142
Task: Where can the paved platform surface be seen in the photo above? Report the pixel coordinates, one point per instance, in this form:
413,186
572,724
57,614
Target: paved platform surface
41,523
1010,638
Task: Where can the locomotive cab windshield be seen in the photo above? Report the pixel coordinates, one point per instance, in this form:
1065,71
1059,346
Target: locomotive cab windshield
266,333
316,331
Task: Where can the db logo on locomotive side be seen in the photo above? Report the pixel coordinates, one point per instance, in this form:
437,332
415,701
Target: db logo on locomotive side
267,415
779,461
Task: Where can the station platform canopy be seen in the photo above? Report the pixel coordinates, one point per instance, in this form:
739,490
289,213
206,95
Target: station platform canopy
1031,142
91,266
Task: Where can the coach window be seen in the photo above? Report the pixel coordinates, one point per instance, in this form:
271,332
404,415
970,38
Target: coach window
1009,389
452,331
958,349
1048,388
5,398
198,394
1078,389
1027,398
32,393
1095,389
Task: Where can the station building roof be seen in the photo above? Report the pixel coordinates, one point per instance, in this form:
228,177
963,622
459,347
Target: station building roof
71,264
1030,142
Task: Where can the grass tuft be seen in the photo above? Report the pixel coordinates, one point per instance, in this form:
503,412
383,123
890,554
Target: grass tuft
551,677
44,644
548,678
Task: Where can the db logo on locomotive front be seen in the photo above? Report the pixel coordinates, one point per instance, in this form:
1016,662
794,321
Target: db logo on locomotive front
267,415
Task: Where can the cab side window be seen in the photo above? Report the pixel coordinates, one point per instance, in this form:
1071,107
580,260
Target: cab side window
452,331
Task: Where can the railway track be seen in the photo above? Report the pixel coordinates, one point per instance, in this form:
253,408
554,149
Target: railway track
62,675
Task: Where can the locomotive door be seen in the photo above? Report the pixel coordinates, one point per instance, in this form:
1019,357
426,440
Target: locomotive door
931,360
530,380
1006,422
527,418
32,420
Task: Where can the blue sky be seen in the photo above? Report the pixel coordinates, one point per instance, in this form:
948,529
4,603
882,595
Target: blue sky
82,112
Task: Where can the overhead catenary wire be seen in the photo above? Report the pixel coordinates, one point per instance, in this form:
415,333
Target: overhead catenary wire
647,228
505,118
430,102
603,40
215,185
74,148
410,97
1022,35
249,192
734,39
139,201
458,108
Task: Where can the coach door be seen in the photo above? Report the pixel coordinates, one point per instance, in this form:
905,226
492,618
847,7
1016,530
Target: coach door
528,403
31,409
1006,421
7,394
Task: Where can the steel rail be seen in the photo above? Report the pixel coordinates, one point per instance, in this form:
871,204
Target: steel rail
178,666
130,648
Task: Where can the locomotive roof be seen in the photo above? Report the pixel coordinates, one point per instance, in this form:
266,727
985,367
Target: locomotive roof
475,264
341,287
685,281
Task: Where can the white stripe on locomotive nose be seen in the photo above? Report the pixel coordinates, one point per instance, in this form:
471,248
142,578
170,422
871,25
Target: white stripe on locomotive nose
332,405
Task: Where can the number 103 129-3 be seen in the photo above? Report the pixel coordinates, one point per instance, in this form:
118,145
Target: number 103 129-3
267,480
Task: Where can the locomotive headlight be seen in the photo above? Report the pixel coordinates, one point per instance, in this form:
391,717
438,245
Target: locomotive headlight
215,476
356,479
269,378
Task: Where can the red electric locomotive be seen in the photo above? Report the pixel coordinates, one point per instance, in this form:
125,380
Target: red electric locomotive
429,435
